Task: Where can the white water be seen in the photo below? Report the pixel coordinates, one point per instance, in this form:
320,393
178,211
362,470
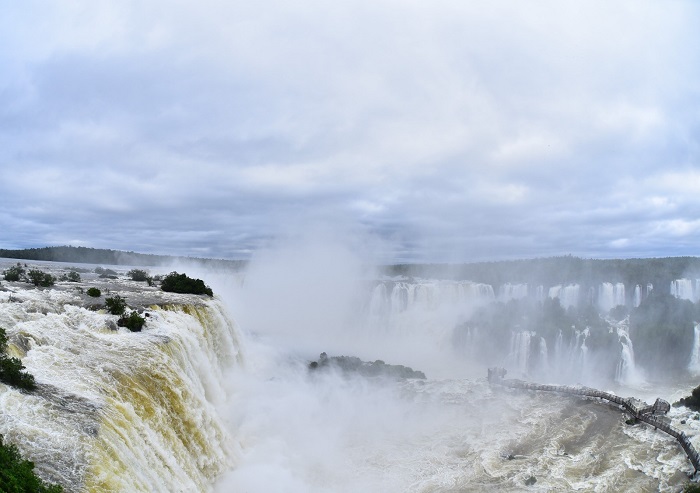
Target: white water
510,291
519,355
694,364
627,372
610,295
115,410
568,295
264,423
686,289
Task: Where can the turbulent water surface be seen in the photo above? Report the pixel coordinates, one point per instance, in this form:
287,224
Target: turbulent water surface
193,403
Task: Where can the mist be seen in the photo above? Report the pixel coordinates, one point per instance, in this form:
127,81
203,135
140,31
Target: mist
302,430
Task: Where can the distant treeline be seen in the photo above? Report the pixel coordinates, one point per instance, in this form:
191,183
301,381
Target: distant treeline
559,270
111,257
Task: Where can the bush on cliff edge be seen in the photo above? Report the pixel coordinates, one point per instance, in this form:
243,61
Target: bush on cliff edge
180,283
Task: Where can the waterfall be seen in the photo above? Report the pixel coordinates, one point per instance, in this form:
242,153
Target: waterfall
115,410
626,371
519,356
559,347
637,298
544,356
568,295
684,289
694,363
426,296
378,300
539,293
510,291
610,295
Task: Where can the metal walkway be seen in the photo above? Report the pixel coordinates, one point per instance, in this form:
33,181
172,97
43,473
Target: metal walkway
637,409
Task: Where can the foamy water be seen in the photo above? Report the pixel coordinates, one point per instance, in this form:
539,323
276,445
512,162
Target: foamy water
196,404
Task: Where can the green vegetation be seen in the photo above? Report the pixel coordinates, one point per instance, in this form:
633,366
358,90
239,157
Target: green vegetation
559,270
72,276
116,305
691,488
11,368
691,402
134,322
661,326
180,283
110,257
41,278
138,275
661,329
14,273
17,475
94,292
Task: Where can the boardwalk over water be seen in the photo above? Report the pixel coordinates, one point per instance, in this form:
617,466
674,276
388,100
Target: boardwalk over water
639,410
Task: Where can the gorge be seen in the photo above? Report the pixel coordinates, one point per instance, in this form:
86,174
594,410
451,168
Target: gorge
200,402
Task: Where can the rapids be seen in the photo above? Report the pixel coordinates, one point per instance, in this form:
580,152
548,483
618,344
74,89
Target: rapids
115,410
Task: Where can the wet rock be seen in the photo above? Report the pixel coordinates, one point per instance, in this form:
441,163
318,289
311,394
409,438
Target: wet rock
378,368
530,481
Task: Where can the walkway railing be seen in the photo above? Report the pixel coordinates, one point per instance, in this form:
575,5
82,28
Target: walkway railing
637,409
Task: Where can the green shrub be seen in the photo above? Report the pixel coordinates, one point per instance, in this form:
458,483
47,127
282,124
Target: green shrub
134,322
14,273
691,402
116,305
138,275
11,368
94,292
17,475
72,276
180,283
691,488
11,374
40,278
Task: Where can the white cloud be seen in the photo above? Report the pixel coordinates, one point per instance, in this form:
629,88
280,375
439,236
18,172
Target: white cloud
484,126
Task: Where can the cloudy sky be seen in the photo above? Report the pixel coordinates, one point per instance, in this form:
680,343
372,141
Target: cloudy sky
446,130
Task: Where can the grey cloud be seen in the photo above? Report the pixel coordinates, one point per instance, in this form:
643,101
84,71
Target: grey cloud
455,131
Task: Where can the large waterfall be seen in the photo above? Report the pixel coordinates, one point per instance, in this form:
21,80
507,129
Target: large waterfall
176,409
109,399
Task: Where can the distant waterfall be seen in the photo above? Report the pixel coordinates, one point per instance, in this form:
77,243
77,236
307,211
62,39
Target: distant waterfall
398,297
544,356
568,295
694,364
637,298
512,292
610,295
686,289
539,293
626,371
519,356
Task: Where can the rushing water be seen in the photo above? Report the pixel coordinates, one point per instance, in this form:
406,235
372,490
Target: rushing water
195,404
119,411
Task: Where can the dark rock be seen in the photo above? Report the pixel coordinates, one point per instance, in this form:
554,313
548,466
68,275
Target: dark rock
691,402
530,481
351,364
